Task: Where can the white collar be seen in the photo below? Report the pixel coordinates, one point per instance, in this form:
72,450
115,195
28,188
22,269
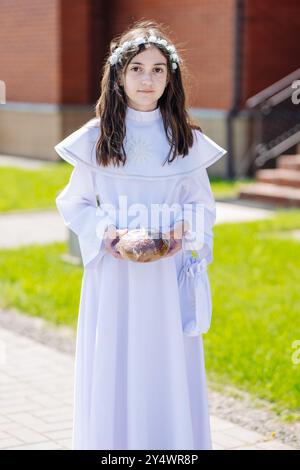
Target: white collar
143,116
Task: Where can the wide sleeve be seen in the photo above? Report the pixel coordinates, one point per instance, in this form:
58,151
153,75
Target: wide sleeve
197,203
199,208
77,204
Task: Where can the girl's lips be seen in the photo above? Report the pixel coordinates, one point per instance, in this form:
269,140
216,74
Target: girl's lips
142,91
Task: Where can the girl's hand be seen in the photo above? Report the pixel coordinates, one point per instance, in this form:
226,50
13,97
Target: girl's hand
175,235
175,245
111,237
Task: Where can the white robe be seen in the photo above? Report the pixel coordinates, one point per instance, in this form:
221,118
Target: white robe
139,368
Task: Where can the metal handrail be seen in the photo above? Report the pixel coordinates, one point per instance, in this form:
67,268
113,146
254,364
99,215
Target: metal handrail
271,90
275,123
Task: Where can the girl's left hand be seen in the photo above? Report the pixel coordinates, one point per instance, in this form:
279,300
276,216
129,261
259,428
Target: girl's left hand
175,246
175,235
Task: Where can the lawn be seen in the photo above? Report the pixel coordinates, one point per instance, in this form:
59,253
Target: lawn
26,189
35,280
227,189
256,303
255,287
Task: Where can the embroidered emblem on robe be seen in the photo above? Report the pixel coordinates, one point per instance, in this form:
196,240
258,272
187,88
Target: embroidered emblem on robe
138,150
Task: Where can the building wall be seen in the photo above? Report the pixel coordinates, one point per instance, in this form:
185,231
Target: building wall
53,51
29,50
45,50
271,43
75,72
203,31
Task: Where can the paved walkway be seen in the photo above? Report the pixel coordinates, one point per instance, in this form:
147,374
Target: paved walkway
36,401
26,227
15,161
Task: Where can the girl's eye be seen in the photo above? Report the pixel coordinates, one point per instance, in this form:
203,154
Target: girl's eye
156,68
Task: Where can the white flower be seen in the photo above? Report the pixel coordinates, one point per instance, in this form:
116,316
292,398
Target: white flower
113,59
126,44
152,38
171,49
139,41
163,42
117,54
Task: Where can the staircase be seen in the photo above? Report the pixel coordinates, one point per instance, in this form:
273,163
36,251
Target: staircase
279,186
274,129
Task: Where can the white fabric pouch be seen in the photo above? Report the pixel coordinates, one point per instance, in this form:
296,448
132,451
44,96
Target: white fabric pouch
195,297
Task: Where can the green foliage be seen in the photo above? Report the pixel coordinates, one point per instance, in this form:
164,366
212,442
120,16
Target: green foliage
35,280
256,305
32,189
226,188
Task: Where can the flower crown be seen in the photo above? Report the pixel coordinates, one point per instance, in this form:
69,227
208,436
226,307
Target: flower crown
116,56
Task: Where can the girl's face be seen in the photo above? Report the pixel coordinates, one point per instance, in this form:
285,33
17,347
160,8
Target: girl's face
145,79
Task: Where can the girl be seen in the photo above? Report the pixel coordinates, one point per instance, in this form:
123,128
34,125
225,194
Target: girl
139,367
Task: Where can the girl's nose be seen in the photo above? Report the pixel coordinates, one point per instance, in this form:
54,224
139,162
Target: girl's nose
146,79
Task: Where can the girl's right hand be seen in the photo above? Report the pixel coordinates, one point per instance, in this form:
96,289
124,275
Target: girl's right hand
111,237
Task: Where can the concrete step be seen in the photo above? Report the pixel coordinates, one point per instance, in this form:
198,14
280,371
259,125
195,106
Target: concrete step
289,162
283,196
279,176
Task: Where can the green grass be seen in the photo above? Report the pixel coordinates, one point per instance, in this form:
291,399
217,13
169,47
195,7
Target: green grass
28,189
256,303
256,306
35,280
227,189
25,189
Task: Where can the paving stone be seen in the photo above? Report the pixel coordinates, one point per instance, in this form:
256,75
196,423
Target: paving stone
45,445
222,439
26,435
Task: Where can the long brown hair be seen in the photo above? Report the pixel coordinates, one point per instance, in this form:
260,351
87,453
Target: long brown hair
112,103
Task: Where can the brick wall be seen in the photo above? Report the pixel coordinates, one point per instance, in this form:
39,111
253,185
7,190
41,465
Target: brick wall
52,51
45,50
29,50
204,29
75,53
271,48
